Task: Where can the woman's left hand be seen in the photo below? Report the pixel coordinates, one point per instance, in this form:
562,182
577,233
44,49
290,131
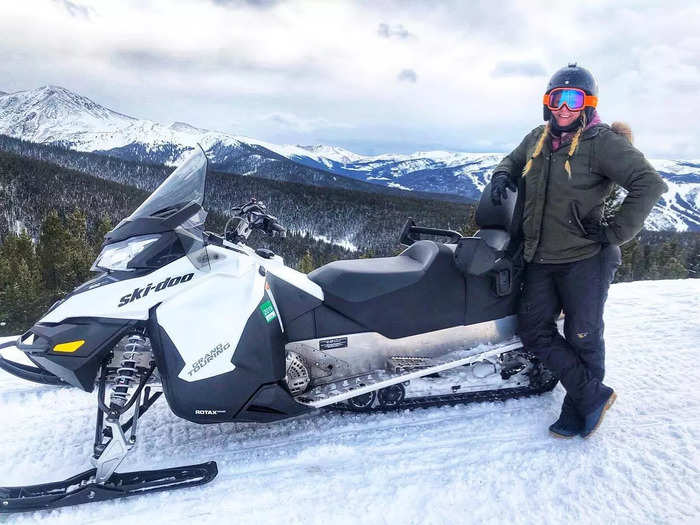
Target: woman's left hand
595,231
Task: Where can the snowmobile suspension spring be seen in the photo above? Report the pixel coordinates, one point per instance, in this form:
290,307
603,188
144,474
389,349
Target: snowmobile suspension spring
127,373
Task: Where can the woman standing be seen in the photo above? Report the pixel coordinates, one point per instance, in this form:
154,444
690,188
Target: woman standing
566,169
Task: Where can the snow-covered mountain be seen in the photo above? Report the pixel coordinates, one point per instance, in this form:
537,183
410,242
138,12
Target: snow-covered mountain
56,115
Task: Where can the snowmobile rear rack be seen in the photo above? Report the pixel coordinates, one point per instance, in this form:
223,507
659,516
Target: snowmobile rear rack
82,488
411,233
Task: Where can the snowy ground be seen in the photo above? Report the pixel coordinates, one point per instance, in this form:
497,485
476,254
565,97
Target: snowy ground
484,463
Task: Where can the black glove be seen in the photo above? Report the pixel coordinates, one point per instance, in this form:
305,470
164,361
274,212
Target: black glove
499,183
595,231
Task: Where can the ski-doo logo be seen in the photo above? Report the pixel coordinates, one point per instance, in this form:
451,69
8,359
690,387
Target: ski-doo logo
168,282
208,358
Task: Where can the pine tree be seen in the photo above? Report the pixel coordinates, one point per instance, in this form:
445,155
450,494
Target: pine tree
80,251
103,227
670,260
306,264
21,297
630,259
52,253
469,228
65,254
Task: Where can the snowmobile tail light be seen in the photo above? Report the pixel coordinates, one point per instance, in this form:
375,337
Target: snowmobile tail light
69,347
117,256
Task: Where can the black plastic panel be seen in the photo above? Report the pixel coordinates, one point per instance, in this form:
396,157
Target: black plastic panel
329,322
301,328
259,359
291,301
79,368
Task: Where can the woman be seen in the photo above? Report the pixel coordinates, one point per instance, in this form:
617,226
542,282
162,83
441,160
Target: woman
567,168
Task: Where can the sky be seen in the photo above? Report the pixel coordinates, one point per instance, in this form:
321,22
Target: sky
373,76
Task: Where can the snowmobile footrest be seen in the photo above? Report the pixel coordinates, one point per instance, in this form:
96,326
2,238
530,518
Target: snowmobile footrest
83,489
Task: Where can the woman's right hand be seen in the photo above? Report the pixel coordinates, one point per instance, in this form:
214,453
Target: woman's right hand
499,183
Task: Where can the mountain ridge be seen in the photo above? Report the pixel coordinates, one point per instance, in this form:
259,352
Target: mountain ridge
56,115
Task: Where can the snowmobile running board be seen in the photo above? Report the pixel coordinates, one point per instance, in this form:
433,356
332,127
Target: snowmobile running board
332,393
83,489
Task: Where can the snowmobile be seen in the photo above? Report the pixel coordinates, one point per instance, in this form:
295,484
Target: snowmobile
229,333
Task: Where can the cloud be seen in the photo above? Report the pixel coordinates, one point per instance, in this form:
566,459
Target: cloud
518,69
301,124
407,75
75,9
316,63
211,61
260,4
398,31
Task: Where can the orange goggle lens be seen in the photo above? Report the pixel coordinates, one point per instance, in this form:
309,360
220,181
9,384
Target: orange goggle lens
574,98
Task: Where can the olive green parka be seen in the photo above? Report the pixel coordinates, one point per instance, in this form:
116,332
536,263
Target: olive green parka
556,203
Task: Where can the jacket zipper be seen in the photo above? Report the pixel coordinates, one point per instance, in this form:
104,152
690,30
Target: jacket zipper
544,203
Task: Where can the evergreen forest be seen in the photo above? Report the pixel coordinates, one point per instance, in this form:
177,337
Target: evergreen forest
53,220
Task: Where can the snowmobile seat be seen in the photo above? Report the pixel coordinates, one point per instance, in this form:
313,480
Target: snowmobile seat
482,253
417,291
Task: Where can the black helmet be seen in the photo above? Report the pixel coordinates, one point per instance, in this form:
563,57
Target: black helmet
572,76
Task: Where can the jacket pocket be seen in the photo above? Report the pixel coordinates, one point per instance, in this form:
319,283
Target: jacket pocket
576,217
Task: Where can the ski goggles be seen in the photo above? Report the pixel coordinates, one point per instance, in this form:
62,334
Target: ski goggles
574,98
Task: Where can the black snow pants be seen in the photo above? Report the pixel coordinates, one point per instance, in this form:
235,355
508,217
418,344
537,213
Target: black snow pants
579,288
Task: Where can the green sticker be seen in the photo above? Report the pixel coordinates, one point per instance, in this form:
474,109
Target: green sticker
268,311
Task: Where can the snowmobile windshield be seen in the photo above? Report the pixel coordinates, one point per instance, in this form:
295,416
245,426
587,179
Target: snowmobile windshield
183,188
176,205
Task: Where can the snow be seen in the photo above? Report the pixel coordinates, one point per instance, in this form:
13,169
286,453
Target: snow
343,243
480,463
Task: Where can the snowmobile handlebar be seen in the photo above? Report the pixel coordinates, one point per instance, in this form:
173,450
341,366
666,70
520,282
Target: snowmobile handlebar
250,216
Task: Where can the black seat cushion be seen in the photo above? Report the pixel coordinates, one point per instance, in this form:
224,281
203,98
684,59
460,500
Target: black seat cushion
418,291
359,280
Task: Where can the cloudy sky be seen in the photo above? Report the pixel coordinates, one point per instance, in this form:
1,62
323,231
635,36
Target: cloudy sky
374,76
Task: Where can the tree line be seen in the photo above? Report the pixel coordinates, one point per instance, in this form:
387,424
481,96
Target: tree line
53,220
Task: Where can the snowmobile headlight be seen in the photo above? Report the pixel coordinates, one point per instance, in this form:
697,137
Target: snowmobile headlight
117,256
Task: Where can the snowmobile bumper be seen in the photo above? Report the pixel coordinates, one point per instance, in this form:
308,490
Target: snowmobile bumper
70,351
82,488
27,372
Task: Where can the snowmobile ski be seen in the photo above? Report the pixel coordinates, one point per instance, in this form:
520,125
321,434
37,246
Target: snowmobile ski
83,488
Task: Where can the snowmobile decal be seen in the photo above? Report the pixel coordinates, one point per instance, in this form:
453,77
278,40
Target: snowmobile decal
268,311
330,344
208,358
69,347
168,282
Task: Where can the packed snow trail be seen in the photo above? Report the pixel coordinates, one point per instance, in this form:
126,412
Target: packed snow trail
481,463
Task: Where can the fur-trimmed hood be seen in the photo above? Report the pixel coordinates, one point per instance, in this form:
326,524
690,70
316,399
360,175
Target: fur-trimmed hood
624,129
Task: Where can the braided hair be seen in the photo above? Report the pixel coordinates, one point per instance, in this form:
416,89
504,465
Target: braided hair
572,149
